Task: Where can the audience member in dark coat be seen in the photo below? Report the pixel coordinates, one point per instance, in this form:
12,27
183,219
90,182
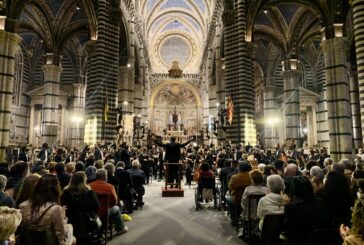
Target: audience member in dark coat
81,203
338,197
63,178
125,184
304,213
4,199
23,154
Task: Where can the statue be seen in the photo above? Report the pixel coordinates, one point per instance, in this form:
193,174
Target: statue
175,117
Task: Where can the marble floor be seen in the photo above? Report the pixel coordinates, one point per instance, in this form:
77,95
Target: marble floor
174,221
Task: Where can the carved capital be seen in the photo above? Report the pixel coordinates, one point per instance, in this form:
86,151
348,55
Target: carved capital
334,44
52,68
8,37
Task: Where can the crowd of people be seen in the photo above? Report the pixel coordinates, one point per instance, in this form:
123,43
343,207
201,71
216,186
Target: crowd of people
61,189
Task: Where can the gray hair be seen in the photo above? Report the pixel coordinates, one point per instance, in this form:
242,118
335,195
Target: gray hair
317,172
101,174
135,164
3,181
328,161
110,168
275,183
120,164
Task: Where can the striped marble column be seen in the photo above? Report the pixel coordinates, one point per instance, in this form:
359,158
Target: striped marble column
338,101
322,121
271,118
355,110
50,121
358,17
103,78
9,43
292,114
78,111
239,82
124,91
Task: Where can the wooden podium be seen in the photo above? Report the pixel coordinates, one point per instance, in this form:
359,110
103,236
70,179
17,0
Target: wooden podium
172,192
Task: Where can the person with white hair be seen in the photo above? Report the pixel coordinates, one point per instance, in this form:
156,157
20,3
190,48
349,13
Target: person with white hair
4,199
273,202
138,178
10,219
316,177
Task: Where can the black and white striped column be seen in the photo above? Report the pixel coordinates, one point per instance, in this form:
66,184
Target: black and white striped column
292,113
9,43
78,113
338,101
358,17
239,82
125,92
355,110
103,77
50,121
271,117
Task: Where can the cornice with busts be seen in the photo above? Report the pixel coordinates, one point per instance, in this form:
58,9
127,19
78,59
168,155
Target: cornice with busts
157,78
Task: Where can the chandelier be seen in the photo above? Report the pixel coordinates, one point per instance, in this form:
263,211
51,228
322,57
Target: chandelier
175,71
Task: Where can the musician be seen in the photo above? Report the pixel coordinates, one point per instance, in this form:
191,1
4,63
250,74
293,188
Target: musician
24,154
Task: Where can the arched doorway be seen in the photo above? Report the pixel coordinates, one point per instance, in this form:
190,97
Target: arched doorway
175,108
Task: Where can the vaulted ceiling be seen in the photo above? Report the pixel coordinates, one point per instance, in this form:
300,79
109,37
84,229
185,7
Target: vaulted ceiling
176,31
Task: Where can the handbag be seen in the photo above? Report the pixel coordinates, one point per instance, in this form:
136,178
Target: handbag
31,235
95,220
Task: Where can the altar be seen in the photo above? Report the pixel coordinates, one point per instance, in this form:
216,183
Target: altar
179,135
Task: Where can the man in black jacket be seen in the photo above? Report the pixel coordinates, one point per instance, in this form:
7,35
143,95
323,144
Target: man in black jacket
173,155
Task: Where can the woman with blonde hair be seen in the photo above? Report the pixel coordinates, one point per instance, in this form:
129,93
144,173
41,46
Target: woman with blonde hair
10,219
27,188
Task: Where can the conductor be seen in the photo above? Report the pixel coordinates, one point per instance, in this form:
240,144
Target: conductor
173,155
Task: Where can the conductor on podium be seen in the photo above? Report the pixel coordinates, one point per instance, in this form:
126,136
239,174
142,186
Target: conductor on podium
173,155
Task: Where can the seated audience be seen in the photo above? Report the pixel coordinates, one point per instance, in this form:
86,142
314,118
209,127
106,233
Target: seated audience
316,177
63,178
4,199
46,201
273,202
303,213
138,178
81,203
100,186
17,175
10,219
111,179
257,187
27,188
125,186
70,168
355,235
206,179
337,195
237,185
90,172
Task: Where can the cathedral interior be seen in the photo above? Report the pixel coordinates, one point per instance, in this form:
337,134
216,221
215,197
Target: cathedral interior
244,71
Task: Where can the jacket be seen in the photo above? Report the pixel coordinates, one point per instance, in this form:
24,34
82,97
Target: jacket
270,204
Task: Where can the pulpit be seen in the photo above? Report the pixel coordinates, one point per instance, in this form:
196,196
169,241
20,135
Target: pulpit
172,192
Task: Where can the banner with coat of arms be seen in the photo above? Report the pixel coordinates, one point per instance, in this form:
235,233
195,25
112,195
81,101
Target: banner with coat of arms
230,110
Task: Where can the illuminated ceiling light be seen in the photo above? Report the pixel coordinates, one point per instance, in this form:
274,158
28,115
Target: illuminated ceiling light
128,65
77,7
265,11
